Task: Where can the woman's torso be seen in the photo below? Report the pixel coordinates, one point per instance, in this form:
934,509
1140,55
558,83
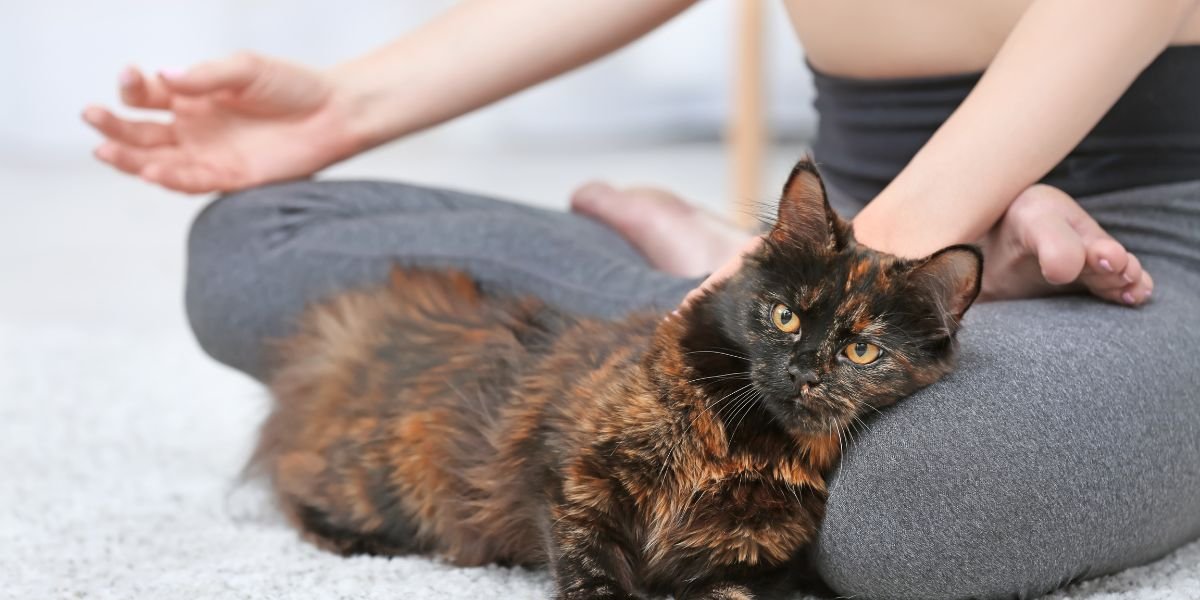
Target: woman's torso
885,84
888,39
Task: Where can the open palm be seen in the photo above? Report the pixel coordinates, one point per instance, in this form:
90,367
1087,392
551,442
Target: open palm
237,122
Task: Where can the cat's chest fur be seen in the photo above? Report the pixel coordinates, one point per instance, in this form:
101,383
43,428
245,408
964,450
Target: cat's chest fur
700,501
739,509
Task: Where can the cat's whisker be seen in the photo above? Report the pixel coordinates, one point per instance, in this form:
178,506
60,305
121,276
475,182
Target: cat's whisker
743,402
861,423
851,429
877,411
706,408
753,400
718,352
725,376
832,427
713,405
736,408
671,453
748,402
715,349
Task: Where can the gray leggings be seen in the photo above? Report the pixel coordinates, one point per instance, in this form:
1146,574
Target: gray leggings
1067,444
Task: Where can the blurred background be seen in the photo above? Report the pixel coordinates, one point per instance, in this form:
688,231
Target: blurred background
671,86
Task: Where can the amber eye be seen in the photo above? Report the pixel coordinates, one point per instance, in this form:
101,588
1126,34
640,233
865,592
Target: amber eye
785,319
862,353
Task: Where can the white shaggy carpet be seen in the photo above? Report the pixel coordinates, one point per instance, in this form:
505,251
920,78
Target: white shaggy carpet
119,440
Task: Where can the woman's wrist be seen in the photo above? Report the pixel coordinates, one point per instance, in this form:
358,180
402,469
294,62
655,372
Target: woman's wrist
360,112
914,223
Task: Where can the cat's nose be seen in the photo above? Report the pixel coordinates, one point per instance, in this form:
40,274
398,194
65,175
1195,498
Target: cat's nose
801,377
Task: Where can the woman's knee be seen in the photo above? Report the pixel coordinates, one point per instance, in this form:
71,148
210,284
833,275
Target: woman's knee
915,529
257,257
1040,461
225,249
909,517
238,219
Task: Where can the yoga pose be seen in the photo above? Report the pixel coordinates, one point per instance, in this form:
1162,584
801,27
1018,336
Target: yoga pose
1063,136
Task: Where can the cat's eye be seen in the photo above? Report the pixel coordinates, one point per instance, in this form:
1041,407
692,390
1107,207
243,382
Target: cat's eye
785,319
862,353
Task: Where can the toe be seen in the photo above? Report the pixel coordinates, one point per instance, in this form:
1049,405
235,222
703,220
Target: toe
1132,273
592,197
1108,262
1107,257
1059,249
602,202
1127,293
1140,290
1127,297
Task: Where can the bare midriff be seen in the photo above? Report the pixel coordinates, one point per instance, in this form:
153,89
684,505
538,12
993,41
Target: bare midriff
914,38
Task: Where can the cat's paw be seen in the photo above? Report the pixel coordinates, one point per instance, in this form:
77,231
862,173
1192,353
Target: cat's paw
720,591
601,594
601,591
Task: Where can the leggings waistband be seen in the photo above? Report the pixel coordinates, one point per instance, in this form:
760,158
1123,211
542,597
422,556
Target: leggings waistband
870,128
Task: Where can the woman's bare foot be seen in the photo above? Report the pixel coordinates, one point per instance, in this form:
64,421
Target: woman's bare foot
673,235
1047,244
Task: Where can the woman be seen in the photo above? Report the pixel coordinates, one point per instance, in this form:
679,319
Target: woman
1068,443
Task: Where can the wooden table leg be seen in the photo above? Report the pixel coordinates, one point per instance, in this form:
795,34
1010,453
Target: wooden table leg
747,127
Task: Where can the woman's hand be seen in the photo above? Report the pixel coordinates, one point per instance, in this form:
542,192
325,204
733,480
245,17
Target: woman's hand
236,122
249,119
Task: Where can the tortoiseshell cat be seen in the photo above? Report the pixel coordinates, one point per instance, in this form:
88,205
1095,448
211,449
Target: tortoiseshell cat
684,456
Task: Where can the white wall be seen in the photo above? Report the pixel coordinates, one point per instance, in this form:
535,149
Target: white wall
58,55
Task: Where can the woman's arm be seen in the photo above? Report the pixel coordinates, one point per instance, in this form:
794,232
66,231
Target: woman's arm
247,119
1063,66
481,51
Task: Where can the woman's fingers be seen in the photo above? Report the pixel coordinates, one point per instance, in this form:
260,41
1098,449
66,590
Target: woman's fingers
167,167
134,160
143,134
124,158
139,92
232,73
183,177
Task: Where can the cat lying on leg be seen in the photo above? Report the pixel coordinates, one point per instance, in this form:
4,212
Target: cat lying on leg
684,456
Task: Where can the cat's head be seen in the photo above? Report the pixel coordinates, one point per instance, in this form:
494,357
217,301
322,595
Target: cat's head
821,328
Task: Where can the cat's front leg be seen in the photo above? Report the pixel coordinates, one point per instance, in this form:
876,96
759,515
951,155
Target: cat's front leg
590,561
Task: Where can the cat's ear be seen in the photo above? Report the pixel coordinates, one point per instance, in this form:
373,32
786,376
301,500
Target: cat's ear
951,278
805,217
